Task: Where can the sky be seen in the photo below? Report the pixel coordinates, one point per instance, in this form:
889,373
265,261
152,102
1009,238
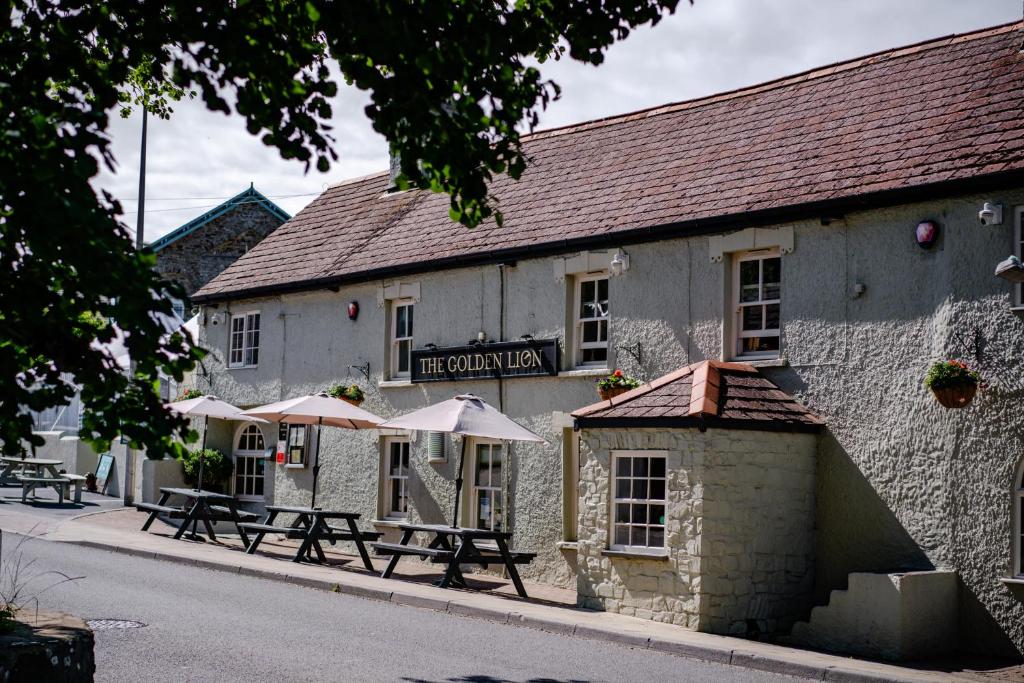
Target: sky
198,158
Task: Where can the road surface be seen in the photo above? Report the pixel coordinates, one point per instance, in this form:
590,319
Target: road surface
204,625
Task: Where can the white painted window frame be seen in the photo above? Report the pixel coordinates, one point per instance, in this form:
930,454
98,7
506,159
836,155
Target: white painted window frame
497,491
1018,523
1018,250
244,341
396,341
579,346
238,454
391,480
615,500
738,333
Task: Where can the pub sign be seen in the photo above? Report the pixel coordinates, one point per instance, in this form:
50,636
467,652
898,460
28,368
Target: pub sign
526,358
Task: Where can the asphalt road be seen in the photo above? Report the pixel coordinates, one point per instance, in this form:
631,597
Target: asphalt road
204,625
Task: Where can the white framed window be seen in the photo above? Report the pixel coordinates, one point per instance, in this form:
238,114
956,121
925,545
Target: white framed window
757,297
638,503
244,343
1018,523
1018,250
178,308
401,337
396,477
295,448
488,489
250,463
592,321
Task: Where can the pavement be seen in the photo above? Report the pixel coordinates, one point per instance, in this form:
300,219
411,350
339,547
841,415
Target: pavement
116,530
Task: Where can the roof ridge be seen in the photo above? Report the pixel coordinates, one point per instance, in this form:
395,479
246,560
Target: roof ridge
764,86
202,219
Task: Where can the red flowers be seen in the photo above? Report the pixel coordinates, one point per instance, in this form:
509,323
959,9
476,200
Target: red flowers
617,373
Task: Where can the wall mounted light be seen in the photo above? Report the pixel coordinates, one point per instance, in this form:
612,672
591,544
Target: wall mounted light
620,263
353,310
926,233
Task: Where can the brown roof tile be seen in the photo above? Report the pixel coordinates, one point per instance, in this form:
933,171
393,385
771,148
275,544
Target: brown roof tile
947,110
706,394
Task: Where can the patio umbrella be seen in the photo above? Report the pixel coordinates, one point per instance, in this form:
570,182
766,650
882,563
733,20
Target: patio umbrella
207,407
467,415
320,410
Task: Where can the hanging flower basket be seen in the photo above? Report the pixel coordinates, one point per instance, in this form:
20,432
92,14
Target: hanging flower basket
952,382
350,394
615,384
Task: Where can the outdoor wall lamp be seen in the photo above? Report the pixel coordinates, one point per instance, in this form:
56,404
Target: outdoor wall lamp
620,262
926,233
353,310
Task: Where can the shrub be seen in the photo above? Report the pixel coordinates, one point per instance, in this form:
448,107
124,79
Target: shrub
217,467
188,394
945,374
617,379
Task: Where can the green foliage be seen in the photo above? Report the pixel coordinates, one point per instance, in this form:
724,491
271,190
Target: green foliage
945,374
217,467
617,379
188,395
351,392
450,84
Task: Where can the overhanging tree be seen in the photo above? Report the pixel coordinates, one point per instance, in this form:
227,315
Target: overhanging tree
450,83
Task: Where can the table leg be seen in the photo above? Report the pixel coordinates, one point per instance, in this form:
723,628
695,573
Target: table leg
393,562
190,517
237,520
207,515
152,515
453,565
359,544
302,521
511,566
442,541
251,547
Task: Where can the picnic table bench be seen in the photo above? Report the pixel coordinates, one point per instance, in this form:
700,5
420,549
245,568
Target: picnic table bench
311,525
201,508
469,550
29,484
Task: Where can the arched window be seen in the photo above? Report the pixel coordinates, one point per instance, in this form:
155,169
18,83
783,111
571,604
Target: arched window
1018,522
250,463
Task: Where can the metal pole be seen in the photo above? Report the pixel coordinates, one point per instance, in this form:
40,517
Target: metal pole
140,223
458,482
316,461
202,454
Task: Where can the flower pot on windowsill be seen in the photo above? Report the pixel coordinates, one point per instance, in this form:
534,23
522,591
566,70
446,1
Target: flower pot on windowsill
956,396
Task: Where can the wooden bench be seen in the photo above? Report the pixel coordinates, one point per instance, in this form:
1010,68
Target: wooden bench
153,509
30,484
78,480
243,515
261,530
494,557
437,555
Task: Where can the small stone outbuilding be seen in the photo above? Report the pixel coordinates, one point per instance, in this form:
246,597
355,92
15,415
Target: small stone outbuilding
697,502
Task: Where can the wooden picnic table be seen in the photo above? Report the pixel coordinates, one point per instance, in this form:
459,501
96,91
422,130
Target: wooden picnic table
31,473
443,549
312,526
203,506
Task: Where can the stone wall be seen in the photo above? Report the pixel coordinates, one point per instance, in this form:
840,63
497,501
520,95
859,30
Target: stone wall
52,647
739,530
197,258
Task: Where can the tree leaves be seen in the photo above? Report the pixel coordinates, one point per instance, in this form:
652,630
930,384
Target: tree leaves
450,85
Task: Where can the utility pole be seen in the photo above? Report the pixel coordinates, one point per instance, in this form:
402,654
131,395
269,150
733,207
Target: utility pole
140,225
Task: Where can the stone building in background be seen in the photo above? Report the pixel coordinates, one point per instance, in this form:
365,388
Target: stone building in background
199,250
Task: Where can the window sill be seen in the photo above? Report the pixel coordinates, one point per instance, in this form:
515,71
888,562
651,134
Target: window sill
568,545
586,372
764,362
391,383
294,466
242,367
635,554
250,499
1012,580
388,523
1017,309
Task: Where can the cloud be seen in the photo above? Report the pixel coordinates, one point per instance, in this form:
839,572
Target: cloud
713,46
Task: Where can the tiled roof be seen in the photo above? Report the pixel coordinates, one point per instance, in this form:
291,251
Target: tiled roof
249,196
706,394
920,119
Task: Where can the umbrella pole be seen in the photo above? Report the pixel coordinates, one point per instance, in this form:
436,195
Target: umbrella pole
458,482
316,461
202,454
